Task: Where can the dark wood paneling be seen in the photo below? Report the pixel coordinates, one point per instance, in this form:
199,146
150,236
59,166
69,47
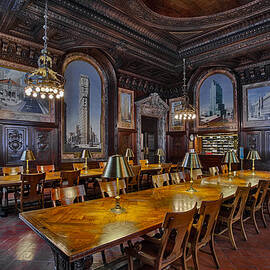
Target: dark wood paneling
126,139
176,147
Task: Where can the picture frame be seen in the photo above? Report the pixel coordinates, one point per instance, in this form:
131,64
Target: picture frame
256,111
216,101
126,109
175,105
14,104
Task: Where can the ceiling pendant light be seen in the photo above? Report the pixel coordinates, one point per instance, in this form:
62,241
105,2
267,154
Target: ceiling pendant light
186,111
44,82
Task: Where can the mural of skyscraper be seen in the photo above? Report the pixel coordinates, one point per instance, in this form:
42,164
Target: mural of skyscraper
84,101
216,100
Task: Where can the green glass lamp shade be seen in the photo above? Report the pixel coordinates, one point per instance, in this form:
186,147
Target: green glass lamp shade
27,155
191,160
129,153
253,155
230,157
86,154
117,167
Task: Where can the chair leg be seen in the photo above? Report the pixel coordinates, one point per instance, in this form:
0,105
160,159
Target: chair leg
243,228
103,257
263,218
213,251
231,236
130,263
268,205
184,261
194,253
122,249
254,221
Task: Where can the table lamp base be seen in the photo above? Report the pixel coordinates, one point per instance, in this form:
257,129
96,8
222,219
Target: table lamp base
118,209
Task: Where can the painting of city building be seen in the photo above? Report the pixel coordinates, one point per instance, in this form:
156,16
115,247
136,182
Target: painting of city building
14,104
216,101
126,109
82,108
259,103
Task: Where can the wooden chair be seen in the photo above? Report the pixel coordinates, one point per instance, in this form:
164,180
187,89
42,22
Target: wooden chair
31,189
11,190
110,188
67,195
197,173
102,165
78,166
213,171
135,180
45,168
159,180
166,167
224,168
143,162
255,203
131,163
177,177
158,254
233,212
202,232
71,177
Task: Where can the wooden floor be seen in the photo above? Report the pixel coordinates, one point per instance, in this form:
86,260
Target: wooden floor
21,248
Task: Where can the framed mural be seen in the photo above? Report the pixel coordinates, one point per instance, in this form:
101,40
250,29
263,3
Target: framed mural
125,109
15,105
83,123
216,101
256,105
176,104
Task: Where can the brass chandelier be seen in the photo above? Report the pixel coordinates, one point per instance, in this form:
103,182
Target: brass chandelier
44,82
186,111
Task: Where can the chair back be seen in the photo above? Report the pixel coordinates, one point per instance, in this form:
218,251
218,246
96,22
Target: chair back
166,167
102,164
239,203
12,170
176,227
159,180
67,195
110,188
72,178
177,177
205,226
260,194
78,166
143,162
45,168
224,168
197,173
213,171
135,179
130,162
31,187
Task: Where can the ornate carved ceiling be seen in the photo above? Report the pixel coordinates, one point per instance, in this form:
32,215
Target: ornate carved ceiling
140,41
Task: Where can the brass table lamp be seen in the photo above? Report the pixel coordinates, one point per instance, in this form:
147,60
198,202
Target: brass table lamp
86,154
129,154
117,167
253,155
27,156
230,157
145,152
160,153
191,161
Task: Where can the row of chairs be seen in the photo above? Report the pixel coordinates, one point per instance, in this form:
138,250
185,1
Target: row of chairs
215,170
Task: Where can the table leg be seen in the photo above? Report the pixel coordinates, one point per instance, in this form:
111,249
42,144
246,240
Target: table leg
62,262
2,212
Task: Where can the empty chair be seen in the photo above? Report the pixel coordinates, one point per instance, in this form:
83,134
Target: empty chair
177,177
202,232
135,180
67,195
78,166
230,213
31,190
159,180
166,167
158,254
45,168
110,188
255,203
224,168
11,190
197,173
213,171
70,178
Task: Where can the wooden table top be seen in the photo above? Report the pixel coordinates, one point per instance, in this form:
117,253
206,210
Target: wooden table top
85,228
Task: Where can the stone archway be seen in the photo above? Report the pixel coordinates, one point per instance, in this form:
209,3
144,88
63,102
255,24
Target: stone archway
152,106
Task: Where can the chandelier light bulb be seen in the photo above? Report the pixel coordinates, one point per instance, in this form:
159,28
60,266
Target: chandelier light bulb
34,94
61,93
50,96
37,89
42,96
58,96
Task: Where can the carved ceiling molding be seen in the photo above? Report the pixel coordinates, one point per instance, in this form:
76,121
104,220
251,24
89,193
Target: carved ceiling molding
138,9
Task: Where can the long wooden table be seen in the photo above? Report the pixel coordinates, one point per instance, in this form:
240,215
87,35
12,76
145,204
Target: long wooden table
76,232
